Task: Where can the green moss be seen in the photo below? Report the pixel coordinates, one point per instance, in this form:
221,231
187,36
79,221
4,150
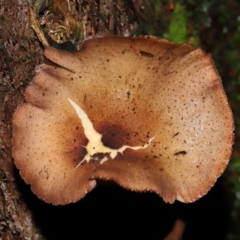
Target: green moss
178,25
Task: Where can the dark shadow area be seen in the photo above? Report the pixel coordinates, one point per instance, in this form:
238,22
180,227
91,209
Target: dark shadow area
208,218
111,212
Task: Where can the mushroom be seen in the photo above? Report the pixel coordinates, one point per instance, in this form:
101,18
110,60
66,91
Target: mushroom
144,112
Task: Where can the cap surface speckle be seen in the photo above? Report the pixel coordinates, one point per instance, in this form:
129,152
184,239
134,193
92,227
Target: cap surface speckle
132,89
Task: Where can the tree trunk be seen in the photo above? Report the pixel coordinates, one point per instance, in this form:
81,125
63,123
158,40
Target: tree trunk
20,52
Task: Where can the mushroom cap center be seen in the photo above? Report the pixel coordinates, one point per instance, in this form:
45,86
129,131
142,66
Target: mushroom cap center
152,112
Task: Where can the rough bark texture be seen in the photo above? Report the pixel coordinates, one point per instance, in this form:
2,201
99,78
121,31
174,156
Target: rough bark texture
20,52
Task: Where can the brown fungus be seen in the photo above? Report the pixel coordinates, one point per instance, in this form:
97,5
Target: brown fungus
144,112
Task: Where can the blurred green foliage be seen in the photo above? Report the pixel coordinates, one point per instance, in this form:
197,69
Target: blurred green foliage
213,25
178,25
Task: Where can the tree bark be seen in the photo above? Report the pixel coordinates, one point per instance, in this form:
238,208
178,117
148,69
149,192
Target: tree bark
20,52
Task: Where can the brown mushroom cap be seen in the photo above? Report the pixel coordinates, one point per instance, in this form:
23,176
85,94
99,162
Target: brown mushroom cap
165,98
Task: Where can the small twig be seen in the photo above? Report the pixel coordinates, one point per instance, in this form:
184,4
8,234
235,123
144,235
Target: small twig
177,231
36,27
